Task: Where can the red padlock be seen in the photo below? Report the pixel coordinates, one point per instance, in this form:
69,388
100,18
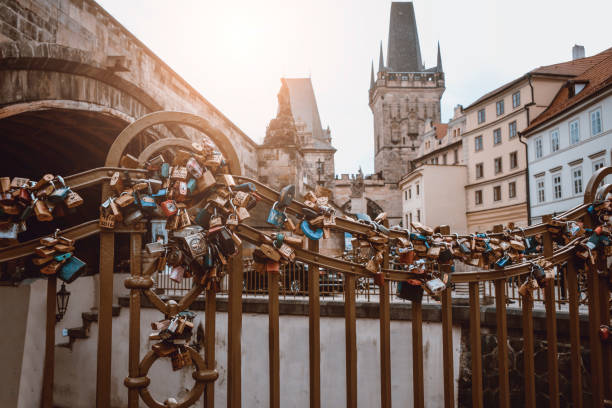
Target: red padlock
169,208
406,256
181,191
605,333
194,168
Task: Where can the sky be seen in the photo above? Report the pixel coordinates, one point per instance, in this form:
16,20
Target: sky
235,52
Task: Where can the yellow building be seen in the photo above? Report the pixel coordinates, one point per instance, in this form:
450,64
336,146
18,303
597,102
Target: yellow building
496,190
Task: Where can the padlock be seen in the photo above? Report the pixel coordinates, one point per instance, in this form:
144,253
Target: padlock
176,274
169,208
270,252
406,256
18,182
246,187
192,186
164,349
62,257
503,261
182,191
433,252
71,269
179,173
155,248
63,248
196,244
314,235
517,245
206,181
372,266
215,221
44,251
287,252
5,184
175,257
125,198
183,217
48,241
194,168
59,194
10,209
241,199
42,211
329,220
435,286
275,217
107,221
42,261
116,182
222,239
410,291
51,268
73,200
289,224
232,220
128,161
228,180
242,213
146,202
286,196
133,217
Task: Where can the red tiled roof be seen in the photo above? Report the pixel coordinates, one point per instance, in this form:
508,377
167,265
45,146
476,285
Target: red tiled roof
597,76
568,68
441,129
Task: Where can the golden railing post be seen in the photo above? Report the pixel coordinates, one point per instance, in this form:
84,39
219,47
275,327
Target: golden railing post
234,321
417,355
273,341
385,337
134,329
574,326
47,390
105,324
351,340
314,336
209,344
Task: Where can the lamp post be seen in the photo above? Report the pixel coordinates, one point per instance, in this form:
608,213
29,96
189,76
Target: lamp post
63,296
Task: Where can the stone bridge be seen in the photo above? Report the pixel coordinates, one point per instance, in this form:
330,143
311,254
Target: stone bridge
72,77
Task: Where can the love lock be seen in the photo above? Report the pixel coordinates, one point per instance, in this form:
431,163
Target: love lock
276,217
313,235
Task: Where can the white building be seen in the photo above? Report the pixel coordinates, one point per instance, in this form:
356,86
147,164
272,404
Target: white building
570,140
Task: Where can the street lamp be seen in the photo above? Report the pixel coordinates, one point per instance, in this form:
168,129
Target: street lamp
63,296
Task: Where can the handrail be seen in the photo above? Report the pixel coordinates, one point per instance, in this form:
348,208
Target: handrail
98,175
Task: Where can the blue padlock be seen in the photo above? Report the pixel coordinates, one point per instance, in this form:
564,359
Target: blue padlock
275,217
503,261
62,257
192,185
59,194
310,234
146,201
246,187
161,193
72,269
164,171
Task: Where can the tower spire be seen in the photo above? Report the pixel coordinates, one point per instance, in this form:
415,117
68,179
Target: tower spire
404,51
372,76
381,61
439,64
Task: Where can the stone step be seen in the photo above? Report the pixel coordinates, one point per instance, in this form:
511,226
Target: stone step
82,332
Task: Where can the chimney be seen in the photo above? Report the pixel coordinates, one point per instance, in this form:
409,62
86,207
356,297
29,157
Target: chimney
577,52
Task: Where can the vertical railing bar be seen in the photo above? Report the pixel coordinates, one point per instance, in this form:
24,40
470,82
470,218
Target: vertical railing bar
597,384
209,344
417,355
447,349
234,322
385,340
314,337
528,353
604,314
551,330
49,364
502,343
475,346
134,328
273,341
105,324
351,340
574,327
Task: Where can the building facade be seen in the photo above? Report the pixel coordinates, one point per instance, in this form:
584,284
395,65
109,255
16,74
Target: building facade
429,198
571,140
403,96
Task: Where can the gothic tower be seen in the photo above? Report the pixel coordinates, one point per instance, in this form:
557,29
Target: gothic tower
403,95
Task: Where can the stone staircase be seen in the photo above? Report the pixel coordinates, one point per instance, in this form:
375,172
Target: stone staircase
82,332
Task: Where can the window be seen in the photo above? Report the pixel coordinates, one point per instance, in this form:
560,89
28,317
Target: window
481,116
554,140
409,193
516,99
497,136
513,160
499,107
410,215
556,180
577,179
418,215
596,122
478,196
496,193
478,143
456,156
406,195
538,148
512,129
479,170
540,189
417,190
498,165
512,189
574,132
444,159
598,164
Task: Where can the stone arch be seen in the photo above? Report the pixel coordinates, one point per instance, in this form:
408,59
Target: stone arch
129,133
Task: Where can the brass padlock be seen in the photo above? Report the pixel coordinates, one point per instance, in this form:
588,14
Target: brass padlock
287,252
73,200
179,173
125,198
44,251
172,222
242,213
19,182
215,221
329,220
241,199
42,211
184,220
270,252
206,181
51,268
116,182
232,220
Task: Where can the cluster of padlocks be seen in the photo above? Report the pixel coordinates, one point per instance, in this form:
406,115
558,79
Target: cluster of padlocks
55,256
173,334
21,198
